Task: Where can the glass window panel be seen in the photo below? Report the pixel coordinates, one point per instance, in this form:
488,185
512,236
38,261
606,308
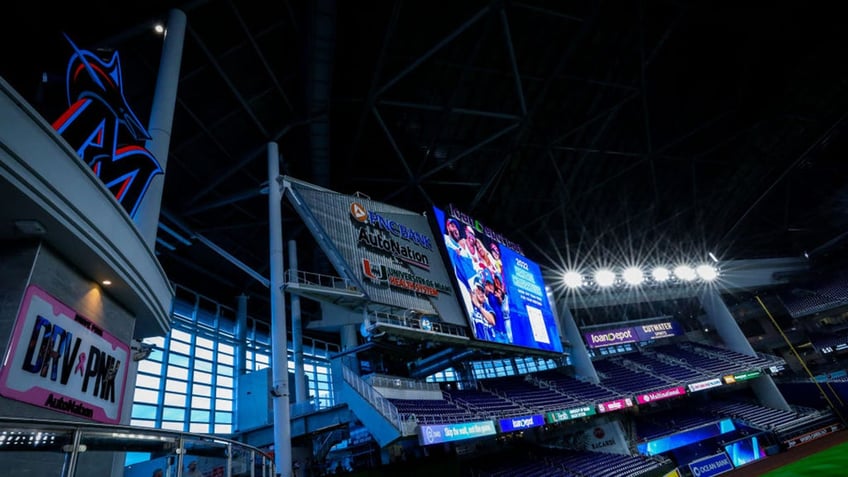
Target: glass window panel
204,342
223,405
147,381
224,417
179,347
143,411
204,378
180,360
225,359
175,372
155,355
225,382
201,390
146,395
225,370
200,402
223,429
225,349
180,335
158,341
173,414
223,393
199,415
151,367
174,399
203,353
202,428
263,358
142,423
173,426
202,365
176,386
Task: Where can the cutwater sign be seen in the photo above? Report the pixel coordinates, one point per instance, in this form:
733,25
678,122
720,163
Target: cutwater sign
61,361
712,465
438,433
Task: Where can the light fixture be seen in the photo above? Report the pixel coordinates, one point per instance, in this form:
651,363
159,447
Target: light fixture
159,28
106,283
660,274
713,257
604,277
633,275
572,279
707,272
685,273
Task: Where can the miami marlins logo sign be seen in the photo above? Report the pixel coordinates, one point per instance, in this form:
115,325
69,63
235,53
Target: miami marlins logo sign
104,131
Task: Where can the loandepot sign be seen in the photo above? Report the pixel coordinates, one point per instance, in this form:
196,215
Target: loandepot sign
62,361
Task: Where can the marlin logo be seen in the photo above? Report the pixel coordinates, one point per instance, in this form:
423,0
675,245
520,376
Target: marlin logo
103,130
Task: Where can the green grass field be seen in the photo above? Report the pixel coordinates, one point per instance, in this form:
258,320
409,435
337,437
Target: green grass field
830,462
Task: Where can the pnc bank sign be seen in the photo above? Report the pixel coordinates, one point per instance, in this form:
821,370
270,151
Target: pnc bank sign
62,361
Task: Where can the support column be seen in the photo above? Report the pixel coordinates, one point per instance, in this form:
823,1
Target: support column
579,354
279,348
725,325
300,388
161,122
349,338
241,335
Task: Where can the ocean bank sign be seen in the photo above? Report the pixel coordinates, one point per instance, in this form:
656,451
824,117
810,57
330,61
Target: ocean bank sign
439,433
61,361
712,465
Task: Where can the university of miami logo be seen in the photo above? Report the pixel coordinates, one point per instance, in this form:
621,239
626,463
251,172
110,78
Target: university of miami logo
104,130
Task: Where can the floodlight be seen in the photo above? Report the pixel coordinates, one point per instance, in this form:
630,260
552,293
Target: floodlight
604,277
707,272
633,275
661,274
572,279
685,273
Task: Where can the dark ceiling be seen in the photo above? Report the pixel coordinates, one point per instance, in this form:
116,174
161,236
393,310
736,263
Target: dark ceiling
587,131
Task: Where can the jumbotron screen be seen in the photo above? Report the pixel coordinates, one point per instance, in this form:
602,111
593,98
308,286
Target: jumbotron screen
501,290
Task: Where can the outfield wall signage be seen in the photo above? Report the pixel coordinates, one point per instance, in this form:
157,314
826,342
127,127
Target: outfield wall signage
811,436
440,433
520,423
568,414
703,385
712,465
660,395
101,127
62,361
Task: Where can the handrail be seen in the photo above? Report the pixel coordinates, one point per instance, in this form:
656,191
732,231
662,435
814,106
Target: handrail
174,450
380,404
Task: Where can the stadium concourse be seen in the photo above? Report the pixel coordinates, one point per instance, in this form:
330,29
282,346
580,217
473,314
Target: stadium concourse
484,239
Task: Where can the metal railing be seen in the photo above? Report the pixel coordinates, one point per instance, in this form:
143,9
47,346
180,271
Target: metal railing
301,277
417,322
71,449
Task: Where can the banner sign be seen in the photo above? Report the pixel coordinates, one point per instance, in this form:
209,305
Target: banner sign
734,378
712,465
660,395
811,436
615,405
702,385
60,360
568,414
521,423
439,433
633,334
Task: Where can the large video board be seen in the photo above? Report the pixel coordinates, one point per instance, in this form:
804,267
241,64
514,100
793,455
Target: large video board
501,290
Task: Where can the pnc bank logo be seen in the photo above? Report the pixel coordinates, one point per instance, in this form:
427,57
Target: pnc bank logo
104,131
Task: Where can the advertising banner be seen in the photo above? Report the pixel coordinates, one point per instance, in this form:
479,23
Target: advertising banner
615,405
502,291
663,329
712,465
660,395
633,334
60,360
568,414
735,378
521,423
439,433
392,250
702,385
